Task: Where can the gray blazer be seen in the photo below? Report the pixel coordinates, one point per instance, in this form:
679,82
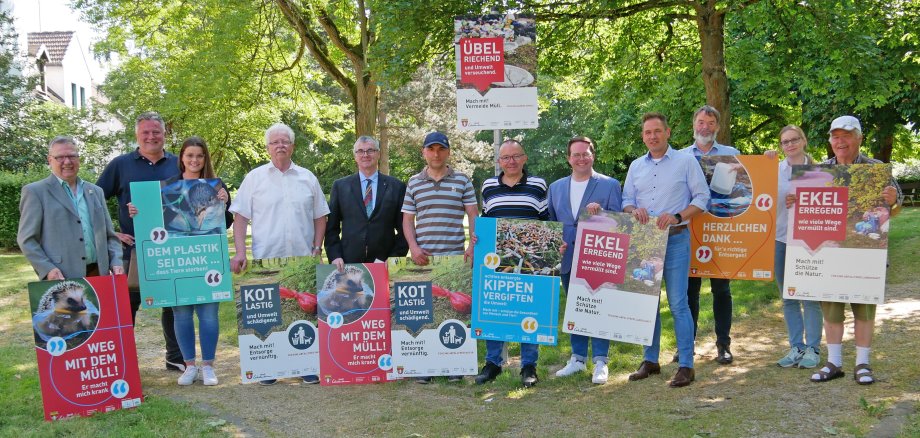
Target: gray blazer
50,235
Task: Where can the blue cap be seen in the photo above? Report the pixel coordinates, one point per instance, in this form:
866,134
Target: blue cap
436,138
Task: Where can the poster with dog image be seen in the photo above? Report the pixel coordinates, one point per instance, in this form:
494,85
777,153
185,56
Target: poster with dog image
353,308
616,278
276,315
181,238
837,248
431,316
84,343
516,266
734,238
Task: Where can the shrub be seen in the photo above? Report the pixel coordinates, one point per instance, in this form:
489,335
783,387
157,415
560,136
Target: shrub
908,171
10,190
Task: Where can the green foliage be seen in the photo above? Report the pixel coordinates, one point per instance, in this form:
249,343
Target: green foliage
10,191
453,274
300,274
15,100
873,410
869,179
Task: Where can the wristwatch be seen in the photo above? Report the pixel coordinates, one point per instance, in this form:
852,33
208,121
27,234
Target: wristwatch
678,217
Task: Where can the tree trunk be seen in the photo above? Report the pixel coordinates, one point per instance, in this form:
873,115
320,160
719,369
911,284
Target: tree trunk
711,25
384,141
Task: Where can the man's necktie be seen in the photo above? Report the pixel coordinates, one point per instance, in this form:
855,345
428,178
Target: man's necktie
369,198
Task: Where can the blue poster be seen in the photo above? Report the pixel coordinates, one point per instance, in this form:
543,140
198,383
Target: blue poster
181,237
516,280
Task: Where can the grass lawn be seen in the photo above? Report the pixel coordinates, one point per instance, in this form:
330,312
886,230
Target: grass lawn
752,397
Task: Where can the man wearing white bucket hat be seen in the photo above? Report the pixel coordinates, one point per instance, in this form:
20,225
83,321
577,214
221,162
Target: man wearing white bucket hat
705,129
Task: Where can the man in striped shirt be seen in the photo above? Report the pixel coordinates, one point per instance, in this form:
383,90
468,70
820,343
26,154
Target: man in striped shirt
513,194
436,200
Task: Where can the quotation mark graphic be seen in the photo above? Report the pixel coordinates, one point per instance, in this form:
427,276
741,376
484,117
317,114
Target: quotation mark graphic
704,254
335,320
213,277
119,388
529,324
158,235
385,362
764,202
492,260
56,346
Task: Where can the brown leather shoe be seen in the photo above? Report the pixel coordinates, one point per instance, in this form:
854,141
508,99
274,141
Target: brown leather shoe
683,377
645,369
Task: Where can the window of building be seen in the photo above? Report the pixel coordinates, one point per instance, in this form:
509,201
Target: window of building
82,97
73,94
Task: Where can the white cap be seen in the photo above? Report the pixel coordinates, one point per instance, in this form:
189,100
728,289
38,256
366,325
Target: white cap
847,123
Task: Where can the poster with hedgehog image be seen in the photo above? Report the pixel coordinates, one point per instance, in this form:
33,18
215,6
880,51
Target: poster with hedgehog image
181,237
516,268
276,315
84,343
430,307
353,309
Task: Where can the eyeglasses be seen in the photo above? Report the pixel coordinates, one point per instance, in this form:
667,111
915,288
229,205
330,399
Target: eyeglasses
585,155
360,152
507,158
63,158
280,142
791,141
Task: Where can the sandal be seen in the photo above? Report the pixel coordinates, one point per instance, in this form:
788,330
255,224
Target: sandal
834,373
857,376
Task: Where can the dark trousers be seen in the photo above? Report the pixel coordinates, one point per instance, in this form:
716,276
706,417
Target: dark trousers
173,353
721,306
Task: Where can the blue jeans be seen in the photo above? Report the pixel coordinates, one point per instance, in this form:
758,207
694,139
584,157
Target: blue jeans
599,346
207,330
800,315
676,269
529,353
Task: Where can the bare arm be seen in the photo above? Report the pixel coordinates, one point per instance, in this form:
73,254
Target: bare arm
240,227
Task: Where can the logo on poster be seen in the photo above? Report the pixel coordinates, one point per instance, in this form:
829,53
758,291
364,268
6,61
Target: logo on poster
791,291
452,335
301,336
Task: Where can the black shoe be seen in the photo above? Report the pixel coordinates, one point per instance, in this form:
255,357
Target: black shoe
724,355
529,376
423,380
489,372
311,379
175,366
454,379
268,382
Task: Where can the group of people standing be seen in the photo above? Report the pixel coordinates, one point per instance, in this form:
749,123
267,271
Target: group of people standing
371,216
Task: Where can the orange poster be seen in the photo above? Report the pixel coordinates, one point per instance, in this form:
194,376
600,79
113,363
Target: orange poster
734,237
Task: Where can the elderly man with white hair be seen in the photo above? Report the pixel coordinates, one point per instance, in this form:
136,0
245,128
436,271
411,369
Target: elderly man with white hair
286,206
846,137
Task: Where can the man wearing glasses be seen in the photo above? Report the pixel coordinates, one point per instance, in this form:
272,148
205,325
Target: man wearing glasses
365,221
287,208
65,230
513,194
149,162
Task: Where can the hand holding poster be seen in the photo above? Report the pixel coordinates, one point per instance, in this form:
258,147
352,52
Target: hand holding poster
84,342
616,278
431,313
181,238
353,308
276,310
515,280
838,233
496,71
734,238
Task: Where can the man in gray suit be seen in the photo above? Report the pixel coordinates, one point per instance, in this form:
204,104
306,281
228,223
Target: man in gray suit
65,230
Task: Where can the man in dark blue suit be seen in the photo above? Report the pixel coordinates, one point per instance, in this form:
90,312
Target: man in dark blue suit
584,190
365,218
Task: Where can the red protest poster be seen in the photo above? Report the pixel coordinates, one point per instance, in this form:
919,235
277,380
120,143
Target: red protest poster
353,309
84,343
482,61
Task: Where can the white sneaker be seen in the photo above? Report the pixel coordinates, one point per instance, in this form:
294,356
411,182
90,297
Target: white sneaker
572,367
208,375
189,375
600,373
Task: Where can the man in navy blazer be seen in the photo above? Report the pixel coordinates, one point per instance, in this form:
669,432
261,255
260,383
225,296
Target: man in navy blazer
365,218
65,230
584,190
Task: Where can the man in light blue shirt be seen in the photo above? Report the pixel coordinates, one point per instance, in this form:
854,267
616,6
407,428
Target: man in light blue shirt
670,185
705,129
